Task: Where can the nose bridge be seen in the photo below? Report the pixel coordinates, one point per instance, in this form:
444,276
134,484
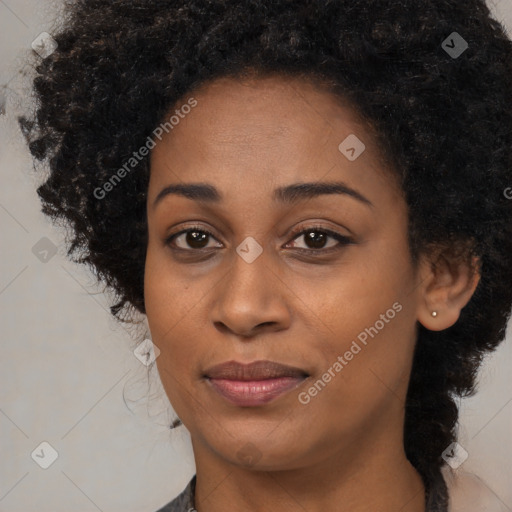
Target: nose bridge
250,294
250,272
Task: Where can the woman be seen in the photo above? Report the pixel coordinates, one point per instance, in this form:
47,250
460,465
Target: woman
308,201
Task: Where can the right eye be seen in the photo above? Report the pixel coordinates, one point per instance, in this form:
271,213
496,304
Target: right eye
194,238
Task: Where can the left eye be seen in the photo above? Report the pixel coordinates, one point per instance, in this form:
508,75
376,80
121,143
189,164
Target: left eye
315,239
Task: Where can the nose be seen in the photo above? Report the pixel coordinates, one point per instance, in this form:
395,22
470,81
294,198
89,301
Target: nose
251,299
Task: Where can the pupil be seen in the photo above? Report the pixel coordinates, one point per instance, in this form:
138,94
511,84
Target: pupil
195,239
317,241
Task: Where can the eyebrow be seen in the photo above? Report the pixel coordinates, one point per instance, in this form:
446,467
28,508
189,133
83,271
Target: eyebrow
288,194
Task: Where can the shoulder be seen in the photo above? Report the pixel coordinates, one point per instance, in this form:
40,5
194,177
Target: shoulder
469,493
184,502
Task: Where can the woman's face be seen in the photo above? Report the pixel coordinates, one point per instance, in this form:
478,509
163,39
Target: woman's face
269,283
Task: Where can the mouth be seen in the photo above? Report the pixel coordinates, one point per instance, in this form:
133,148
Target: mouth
257,383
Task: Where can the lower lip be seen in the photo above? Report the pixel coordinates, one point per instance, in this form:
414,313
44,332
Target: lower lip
254,392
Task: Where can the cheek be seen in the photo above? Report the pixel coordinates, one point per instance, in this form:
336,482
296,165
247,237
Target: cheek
170,313
365,371
171,303
167,295
368,333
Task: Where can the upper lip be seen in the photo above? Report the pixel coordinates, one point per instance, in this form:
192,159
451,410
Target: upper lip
257,370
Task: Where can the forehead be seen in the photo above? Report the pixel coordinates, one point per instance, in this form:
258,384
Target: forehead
271,130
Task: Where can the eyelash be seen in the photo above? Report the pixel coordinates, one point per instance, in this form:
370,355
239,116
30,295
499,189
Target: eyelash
343,240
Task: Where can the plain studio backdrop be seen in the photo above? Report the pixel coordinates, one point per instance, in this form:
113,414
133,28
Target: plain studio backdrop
71,387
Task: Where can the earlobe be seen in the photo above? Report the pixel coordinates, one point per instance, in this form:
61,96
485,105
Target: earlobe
447,287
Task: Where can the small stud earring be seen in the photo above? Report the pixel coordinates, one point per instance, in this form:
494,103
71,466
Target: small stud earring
434,313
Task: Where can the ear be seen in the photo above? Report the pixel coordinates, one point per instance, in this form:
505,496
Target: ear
447,285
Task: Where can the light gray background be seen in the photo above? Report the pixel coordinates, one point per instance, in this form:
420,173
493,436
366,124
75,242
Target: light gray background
66,366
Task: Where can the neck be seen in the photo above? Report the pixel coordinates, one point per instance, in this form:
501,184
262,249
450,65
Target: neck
375,478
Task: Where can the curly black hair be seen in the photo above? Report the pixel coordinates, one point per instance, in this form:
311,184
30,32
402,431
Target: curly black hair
445,120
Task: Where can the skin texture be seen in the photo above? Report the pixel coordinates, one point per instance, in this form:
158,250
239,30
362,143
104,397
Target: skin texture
247,139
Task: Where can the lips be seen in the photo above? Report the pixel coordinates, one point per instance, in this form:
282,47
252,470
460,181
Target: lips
253,384
257,370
